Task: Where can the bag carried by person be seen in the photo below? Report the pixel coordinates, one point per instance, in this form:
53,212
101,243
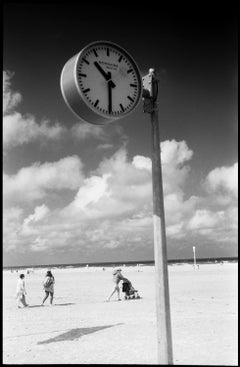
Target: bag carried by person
47,282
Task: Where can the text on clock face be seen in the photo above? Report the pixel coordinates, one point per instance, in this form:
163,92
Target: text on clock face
123,65
109,65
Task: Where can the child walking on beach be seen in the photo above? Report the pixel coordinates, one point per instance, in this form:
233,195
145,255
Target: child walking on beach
48,286
117,277
21,291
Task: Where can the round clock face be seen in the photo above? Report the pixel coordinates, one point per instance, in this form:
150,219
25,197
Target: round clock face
108,79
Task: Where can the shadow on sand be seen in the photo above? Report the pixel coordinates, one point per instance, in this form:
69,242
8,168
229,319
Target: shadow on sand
76,333
55,304
63,304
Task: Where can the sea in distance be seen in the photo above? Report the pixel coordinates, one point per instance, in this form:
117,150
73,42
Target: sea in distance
124,263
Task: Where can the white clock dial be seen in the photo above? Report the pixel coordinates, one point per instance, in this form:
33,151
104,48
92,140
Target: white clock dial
107,80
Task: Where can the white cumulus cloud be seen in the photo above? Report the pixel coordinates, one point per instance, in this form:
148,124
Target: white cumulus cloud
82,131
19,129
92,191
34,182
223,178
173,152
40,212
142,162
10,99
111,207
204,218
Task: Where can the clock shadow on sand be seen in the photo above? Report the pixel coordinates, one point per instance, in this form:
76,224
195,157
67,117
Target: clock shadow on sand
76,333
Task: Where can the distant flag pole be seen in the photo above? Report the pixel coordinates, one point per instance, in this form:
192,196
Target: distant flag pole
194,257
164,337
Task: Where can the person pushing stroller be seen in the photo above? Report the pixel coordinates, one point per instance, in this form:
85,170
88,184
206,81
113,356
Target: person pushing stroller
117,277
127,287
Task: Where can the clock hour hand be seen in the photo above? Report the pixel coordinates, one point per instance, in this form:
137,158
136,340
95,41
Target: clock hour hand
107,76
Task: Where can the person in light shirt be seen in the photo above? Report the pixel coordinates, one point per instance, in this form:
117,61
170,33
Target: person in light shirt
21,291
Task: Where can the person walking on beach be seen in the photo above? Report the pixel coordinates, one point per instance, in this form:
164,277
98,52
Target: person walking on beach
48,286
21,291
117,277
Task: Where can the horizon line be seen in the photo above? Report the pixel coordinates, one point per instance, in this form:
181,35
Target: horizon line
102,263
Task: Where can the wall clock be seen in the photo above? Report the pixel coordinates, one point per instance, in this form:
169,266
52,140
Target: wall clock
102,83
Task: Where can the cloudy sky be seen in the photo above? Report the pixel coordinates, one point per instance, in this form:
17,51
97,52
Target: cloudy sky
75,192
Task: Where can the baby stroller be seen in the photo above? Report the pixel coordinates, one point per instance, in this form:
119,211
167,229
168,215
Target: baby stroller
129,290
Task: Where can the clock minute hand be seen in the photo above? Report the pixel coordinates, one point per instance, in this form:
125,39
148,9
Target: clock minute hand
110,86
109,97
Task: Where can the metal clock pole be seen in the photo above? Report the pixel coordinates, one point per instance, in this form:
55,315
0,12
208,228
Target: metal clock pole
194,258
164,338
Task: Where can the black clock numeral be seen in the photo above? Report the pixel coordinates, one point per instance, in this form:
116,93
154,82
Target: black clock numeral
96,103
130,71
107,51
86,90
95,52
120,58
86,61
81,74
122,108
131,99
133,85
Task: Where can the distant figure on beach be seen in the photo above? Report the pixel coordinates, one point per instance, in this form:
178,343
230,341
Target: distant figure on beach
117,277
21,291
48,286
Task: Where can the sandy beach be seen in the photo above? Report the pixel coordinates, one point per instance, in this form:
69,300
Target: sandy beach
81,328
